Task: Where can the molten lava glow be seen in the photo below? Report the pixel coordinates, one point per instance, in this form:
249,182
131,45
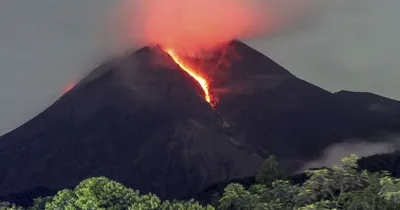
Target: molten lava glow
190,25
69,87
193,73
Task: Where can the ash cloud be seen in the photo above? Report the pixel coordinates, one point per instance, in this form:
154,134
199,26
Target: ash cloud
192,25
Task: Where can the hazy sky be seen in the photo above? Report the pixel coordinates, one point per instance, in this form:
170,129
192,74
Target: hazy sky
44,44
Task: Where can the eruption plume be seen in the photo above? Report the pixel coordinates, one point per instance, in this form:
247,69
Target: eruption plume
192,27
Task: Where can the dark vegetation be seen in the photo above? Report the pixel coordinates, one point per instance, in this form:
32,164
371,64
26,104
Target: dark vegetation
389,162
340,187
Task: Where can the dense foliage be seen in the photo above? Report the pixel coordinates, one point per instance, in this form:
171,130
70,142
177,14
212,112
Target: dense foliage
341,187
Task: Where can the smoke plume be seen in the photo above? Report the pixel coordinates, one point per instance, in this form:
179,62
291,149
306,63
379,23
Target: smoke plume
193,25
361,147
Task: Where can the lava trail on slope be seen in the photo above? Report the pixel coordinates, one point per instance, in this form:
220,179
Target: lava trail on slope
193,72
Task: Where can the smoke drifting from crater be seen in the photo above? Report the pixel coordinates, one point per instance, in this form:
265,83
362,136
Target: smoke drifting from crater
192,25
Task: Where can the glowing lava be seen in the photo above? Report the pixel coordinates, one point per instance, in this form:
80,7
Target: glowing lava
68,87
193,73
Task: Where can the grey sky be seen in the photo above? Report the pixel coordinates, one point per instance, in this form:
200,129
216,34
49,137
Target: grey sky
351,44
44,44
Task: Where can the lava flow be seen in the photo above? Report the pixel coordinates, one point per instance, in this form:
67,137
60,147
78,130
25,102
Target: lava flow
204,83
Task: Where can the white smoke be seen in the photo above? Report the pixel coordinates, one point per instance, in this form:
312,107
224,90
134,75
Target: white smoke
361,147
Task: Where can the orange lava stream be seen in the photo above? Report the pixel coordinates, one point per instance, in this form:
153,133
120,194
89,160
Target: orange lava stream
200,79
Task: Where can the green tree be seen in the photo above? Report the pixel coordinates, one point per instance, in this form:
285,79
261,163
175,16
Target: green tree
369,198
260,197
390,189
100,193
320,205
341,187
40,203
147,202
95,193
65,199
188,205
236,197
9,206
269,171
333,184
285,194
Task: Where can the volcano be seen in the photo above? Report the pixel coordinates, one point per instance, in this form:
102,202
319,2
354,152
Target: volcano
143,121
139,120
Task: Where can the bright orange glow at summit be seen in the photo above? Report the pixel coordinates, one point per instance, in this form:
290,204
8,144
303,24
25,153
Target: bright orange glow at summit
193,73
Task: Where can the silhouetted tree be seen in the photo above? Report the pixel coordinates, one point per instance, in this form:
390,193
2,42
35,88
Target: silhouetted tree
269,171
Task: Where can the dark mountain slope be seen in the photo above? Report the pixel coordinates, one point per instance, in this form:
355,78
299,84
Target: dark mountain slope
284,115
372,102
139,122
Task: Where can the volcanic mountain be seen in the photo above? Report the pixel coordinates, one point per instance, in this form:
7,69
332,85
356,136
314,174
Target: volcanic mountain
142,121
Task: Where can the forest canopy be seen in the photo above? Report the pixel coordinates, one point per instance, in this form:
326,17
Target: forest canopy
343,186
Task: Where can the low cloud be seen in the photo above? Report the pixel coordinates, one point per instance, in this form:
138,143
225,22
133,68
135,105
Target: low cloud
361,147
